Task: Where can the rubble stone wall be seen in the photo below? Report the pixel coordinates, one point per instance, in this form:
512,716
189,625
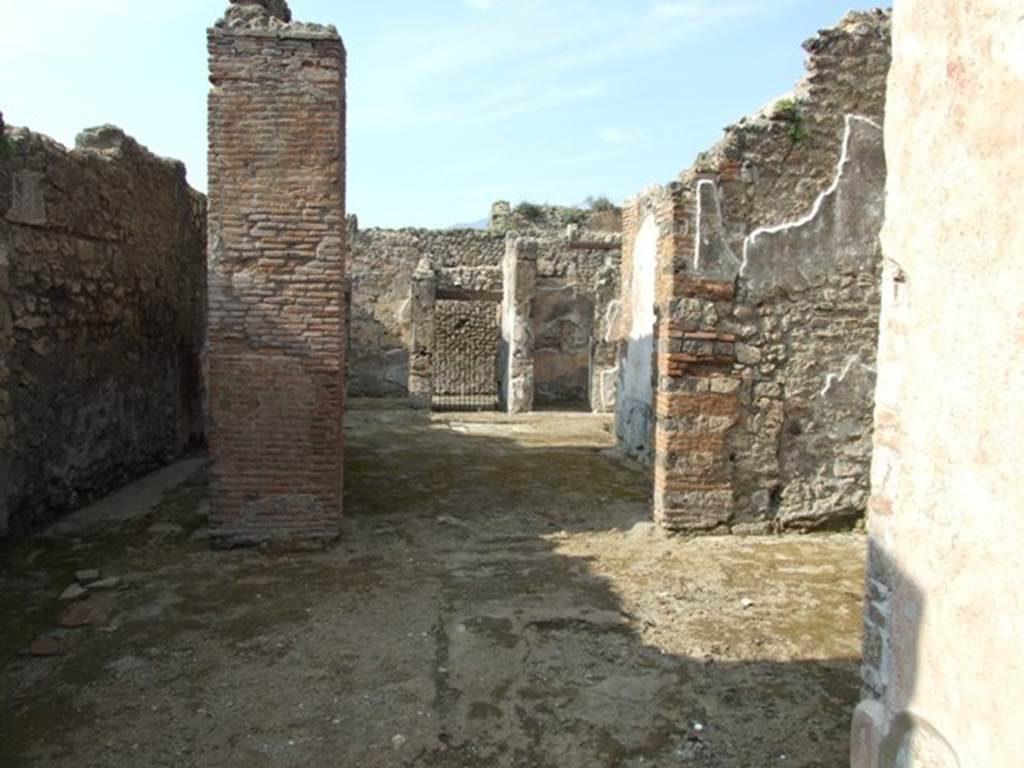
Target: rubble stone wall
277,277
577,283
768,300
570,317
102,317
381,268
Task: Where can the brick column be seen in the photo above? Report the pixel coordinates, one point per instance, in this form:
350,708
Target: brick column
697,405
276,276
697,388
423,294
520,285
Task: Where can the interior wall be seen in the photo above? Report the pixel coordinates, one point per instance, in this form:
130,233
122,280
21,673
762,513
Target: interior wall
634,410
563,323
944,679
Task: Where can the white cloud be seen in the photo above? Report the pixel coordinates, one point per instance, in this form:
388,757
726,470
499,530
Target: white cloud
480,5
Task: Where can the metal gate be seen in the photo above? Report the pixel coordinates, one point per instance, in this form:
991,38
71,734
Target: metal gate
467,334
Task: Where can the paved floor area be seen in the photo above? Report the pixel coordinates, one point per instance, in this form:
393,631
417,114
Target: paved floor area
498,598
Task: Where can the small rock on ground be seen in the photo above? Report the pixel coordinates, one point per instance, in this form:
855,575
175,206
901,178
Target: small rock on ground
54,644
73,592
94,611
87,576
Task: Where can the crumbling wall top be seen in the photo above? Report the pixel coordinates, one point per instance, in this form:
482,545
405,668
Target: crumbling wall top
845,74
244,9
107,144
269,16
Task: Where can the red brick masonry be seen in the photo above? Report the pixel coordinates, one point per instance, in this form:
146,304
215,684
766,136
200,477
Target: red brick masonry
276,272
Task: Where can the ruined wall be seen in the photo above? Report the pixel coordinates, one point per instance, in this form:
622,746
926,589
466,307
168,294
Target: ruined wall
563,325
771,166
381,266
769,260
648,237
805,317
533,220
102,314
570,318
577,281
277,278
519,285
943,676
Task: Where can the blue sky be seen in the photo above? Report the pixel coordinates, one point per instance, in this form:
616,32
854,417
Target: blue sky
452,103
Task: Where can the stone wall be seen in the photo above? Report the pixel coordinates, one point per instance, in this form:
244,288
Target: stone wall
571,307
768,262
805,318
381,267
519,286
576,285
277,277
943,680
102,314
532,220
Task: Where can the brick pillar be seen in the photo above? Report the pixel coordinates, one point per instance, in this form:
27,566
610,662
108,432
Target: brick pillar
423,294
697,405
520,285
697,388
276,276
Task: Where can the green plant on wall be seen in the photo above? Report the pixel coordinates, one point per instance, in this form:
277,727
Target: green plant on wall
599,204
789,111
6,148
529,211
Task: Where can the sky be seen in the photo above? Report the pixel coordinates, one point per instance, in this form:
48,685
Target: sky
452,104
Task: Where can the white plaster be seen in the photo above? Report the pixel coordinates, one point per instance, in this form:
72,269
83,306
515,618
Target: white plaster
837,378
844,156
645,268
637,392
698,250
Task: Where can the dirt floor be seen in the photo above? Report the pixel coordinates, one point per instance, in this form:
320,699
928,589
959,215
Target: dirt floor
498,598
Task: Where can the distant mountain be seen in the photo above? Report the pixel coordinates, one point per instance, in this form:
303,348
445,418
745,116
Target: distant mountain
482,224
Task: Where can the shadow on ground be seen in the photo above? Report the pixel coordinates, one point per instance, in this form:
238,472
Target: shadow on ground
498,597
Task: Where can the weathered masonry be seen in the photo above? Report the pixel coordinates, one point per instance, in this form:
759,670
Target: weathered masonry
564,313
102,314
750,292
276,274
943,680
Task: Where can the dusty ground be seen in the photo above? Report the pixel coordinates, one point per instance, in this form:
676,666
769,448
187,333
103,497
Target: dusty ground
497,599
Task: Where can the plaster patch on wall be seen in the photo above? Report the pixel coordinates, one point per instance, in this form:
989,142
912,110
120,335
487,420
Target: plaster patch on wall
712,254
833,379
844,159
635,412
